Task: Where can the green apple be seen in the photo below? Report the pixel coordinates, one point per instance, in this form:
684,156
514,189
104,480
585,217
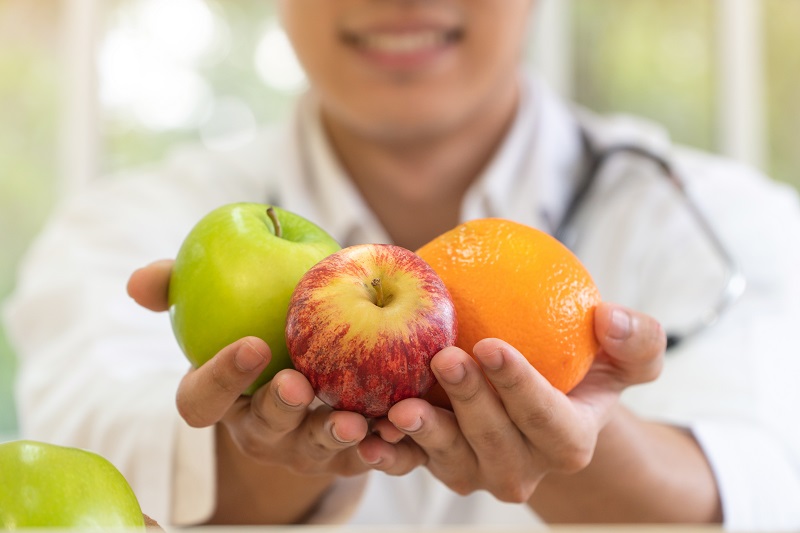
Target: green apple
234,275
58,487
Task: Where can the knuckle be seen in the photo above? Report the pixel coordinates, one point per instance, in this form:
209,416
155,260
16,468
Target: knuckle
442,450
220,379
462,486
320,445
466,395
494,439
189,412
541,416
318,450
251,445
514,492
270,422
395,471
509,380
574,458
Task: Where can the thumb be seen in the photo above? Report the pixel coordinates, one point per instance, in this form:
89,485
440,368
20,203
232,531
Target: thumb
206,393
633,342
149,285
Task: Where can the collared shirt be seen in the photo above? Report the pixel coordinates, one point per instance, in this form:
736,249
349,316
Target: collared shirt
505,186
97,371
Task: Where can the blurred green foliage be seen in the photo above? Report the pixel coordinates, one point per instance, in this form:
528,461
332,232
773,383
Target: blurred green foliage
652,58
648,57
8,417
782,34
129,144
28,105
29,111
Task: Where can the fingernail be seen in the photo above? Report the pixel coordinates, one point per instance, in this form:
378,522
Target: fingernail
414,426
492,360
620,325
247,358
283,399
453,374
371,462
336,436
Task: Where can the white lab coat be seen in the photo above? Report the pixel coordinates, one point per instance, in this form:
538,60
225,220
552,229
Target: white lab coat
99,372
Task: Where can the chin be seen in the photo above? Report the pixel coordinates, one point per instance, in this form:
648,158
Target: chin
411,124
417,113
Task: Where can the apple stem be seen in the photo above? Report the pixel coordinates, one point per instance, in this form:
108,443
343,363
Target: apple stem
376,284
275,223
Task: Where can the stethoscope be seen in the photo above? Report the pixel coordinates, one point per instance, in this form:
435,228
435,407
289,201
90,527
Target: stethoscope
734,281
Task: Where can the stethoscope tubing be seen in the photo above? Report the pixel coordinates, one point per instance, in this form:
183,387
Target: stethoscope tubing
735,282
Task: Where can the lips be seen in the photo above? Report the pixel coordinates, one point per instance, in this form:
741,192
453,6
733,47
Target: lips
402,42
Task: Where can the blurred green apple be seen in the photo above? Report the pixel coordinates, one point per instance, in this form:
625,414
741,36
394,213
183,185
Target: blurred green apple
234,275
58,487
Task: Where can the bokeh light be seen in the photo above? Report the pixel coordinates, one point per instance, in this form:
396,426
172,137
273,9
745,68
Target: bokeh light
148,62
276,62
230,123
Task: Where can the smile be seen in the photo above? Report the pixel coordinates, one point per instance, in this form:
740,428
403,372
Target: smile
407,42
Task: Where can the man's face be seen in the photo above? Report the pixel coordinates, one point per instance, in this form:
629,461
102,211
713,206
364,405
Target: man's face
395,69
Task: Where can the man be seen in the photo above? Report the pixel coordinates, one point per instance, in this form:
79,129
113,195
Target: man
419,118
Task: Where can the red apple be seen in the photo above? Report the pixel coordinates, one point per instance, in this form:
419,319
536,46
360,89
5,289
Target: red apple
364,323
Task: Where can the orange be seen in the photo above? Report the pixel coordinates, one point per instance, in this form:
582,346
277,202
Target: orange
516,283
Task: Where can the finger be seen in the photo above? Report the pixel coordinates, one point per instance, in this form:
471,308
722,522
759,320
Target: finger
342,429
387,431
481,415
283,406
633,342
151,524
336,441
206,393
149,286
304,438
473,399
329,437
436,431
280,424
526,395
280,406
545,417
435,440
395,459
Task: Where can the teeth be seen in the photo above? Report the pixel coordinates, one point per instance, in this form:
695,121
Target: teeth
403,42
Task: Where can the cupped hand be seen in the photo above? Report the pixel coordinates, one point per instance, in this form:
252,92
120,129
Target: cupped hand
280,424
508,426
